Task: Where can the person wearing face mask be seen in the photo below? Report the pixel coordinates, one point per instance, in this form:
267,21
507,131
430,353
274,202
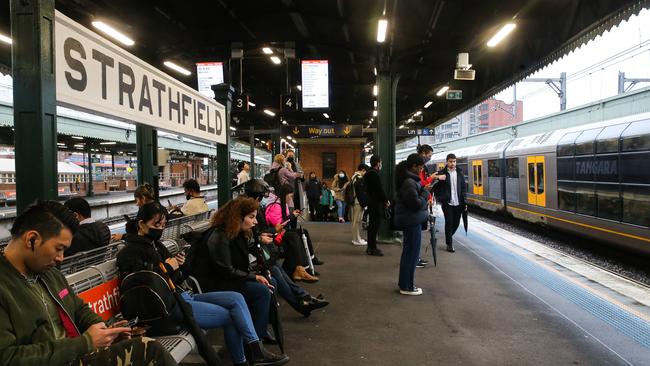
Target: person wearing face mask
427,180
227,309
195,202
338,186
298,187
313,188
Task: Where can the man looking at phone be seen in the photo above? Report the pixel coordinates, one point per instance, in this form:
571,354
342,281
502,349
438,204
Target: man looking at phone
42,321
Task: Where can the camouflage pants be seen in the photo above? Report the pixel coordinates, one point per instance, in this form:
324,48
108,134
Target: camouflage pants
140,351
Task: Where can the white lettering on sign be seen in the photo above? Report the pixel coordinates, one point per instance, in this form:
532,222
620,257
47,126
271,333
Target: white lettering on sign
95,75
208,74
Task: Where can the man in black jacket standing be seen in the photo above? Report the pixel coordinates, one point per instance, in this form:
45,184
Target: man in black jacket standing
450,191
91,234
377,201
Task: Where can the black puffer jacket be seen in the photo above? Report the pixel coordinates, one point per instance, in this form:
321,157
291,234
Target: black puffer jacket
411,203
89,236
313,190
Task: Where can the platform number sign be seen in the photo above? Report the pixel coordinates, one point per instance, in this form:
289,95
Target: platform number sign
240,103
288,102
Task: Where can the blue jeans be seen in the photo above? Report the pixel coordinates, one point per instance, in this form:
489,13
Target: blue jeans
341,205
258,298
410,256
225,309
288,289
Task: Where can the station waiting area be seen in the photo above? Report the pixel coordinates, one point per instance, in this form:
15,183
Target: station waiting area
485,304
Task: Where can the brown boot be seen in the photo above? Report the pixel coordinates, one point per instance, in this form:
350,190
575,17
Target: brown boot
300,274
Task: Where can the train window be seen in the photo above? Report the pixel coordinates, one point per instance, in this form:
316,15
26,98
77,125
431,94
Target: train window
606,168
566,196
609,202
540,178
636,205
635,168
584,168
566,168
636,137
585,143
513,167
531,177
494,168
607,140
585,199
479,173
566,144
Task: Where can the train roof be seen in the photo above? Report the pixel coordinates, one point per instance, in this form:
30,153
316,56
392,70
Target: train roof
9,166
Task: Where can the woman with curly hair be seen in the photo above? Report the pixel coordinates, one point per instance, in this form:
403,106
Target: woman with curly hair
221,262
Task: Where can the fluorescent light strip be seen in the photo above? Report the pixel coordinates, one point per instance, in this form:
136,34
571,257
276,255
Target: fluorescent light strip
285,122
276,60
267,51
442,90
374,113
5,39
418,113
177,68
375,90
233,128
77,137
251,104
113,33
501,34
428,104
299,87
108,143
326,115
269,113
382,26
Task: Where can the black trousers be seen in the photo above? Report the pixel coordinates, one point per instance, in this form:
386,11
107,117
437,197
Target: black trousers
313,209
452,220
375,213
294,250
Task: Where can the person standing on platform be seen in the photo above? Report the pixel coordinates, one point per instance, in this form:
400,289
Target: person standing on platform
377,202
410,213
338,186
360,203
427,179
91,234
326,202
450,191
298,188
243,175
313,188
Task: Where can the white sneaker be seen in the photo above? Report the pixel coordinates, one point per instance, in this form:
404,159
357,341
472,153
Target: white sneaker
363,242
354,242
416,292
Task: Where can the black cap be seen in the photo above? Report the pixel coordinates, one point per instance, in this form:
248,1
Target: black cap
256,188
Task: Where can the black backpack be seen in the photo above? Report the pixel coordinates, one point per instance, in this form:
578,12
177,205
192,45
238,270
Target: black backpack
360,192
348,193
146,295
273,179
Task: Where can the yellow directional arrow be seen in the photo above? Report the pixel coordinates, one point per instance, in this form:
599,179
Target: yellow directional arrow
347,130
295,131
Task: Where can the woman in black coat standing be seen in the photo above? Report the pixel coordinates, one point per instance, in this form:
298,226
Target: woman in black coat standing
410,213
313,188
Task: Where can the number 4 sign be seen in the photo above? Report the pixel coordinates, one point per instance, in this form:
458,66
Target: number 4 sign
288,102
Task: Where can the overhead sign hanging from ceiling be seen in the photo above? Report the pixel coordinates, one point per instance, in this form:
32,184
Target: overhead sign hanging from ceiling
313,131
94,75
208,74
315,84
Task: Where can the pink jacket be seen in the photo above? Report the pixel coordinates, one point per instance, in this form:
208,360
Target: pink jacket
285,175
274,213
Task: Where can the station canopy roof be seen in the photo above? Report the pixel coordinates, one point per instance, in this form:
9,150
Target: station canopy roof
424,38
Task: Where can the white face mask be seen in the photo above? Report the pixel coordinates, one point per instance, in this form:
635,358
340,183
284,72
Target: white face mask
341,175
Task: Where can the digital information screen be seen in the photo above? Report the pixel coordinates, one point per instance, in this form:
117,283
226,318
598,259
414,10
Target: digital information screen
208,74
315,84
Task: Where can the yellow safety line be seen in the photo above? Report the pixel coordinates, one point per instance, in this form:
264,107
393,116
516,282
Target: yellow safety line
568,221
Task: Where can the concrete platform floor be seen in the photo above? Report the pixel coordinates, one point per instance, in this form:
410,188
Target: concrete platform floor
471,313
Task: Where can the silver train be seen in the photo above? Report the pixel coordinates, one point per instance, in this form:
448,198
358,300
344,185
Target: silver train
592,180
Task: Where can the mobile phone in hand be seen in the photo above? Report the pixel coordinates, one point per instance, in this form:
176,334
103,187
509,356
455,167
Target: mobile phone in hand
132,322
285,223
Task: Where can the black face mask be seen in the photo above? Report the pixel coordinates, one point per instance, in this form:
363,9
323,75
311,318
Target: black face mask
188,197
154,234
290,159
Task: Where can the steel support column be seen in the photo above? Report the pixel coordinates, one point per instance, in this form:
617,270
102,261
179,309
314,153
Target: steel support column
146,141
32,30
90,191
223,94
385,143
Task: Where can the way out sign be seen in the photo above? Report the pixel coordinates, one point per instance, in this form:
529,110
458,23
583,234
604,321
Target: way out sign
95,75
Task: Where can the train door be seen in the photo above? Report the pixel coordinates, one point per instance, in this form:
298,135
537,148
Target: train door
477,177
536,169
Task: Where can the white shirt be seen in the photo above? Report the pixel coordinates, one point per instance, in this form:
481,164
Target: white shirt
454,191
242,177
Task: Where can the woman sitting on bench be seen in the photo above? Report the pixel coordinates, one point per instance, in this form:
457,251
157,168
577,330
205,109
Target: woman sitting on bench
211,310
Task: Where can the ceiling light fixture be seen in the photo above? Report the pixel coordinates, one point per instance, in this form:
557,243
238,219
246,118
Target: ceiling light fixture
276,60
428,104
108,143
233,128
375,69
374,103
114,33
269,113
501,34
418,113
251,104
299,87
382,26
77,137
267,51
5,39
374,113
375,90
177,68
442,90
285,123
326,115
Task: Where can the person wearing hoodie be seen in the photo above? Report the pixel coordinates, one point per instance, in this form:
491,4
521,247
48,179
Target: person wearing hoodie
91,234
313,196
411,206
